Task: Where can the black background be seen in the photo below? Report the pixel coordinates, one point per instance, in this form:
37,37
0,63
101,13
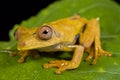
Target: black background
13,12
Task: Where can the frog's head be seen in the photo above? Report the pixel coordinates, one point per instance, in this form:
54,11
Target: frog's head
36,38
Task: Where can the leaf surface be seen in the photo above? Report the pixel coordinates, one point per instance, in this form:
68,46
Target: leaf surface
107,68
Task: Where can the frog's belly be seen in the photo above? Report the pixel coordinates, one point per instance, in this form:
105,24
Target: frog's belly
54,48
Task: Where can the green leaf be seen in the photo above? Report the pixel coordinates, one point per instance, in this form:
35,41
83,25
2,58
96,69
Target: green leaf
107,68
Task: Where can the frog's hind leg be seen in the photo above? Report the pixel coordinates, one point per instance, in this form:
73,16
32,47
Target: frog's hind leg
90,39
90,52
98,51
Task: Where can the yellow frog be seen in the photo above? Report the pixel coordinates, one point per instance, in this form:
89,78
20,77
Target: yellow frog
74,34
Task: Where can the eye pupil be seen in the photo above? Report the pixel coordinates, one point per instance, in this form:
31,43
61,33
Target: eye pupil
45,32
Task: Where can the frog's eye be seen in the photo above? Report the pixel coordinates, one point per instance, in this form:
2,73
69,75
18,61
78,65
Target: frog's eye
45,32
16,34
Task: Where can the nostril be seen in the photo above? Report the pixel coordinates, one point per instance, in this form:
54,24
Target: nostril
21,44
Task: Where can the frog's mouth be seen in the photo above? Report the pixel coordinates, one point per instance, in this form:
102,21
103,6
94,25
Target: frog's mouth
54,47
25,46
35,45
47,48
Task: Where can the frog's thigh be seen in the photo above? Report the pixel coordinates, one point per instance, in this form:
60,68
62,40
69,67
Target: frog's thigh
87,34
97,44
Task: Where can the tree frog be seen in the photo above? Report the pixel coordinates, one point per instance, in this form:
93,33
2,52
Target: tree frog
74,34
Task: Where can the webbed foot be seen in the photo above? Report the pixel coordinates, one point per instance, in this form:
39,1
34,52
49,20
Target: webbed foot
13,54
62,65
100,52
21,60
95,53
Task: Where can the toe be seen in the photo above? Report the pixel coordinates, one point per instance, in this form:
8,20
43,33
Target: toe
50,65
94,62
88,58
21,60
108,54
13,54
45,65
61,69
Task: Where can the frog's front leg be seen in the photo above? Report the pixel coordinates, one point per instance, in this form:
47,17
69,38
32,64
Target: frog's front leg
63,65
90,39
97,44
24,55
13,54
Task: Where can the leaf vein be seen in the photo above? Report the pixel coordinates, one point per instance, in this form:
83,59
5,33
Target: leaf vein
94,6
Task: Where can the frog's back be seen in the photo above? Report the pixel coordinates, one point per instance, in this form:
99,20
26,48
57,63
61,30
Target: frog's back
68,28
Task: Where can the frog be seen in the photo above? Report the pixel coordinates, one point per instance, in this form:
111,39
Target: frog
72,34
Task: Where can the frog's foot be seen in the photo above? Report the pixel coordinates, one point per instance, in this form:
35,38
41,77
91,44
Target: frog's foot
21,60
62,65
88,57
96,53
13,54
24,55
100,52
90,52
